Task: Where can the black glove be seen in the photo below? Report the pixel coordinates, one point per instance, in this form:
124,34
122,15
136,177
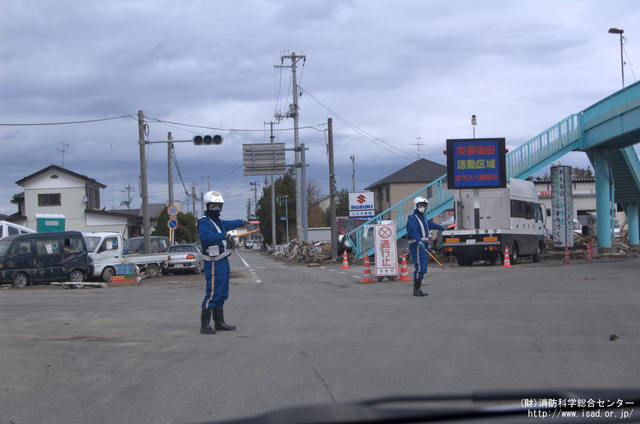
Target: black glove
231,243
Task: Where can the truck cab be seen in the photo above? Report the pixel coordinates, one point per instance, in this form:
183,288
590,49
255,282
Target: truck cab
106,251
344,226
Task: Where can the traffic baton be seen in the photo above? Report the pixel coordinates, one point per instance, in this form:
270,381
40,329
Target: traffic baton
248,232
434,258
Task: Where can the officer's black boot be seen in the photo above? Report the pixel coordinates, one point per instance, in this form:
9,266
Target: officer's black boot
417,283
205,318
218,317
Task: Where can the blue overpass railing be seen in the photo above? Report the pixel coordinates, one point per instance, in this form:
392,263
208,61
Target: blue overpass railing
632,159
537,153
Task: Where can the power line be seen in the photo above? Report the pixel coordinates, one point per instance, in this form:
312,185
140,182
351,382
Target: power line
362,132
175,161
161,121
629,62
68,122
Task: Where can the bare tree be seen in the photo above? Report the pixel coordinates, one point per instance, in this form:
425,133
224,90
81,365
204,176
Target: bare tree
316,216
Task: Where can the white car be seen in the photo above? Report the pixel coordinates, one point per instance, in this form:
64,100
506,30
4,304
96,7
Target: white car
185,257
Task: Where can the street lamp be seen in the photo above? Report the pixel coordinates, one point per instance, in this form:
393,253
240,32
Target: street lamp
473,124
619,31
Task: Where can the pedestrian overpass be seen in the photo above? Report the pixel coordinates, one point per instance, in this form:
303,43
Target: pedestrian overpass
606,132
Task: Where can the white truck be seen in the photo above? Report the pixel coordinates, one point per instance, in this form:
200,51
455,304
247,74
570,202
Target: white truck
10,229
106,250
488,221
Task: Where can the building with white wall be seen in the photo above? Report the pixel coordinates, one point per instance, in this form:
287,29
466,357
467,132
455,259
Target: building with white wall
57,199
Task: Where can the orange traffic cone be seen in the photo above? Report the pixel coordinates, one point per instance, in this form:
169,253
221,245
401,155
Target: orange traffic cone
368,278
404,272
507,261
345,261
589,257
566,256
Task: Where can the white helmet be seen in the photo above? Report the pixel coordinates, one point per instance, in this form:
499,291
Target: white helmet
213,197
419,200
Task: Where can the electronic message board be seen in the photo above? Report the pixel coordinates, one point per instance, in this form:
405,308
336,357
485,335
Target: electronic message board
476,163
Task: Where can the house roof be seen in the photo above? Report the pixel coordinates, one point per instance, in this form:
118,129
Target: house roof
420,171
63,170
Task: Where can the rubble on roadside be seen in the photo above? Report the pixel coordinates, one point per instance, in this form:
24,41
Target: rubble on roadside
302,252
320,252
620,247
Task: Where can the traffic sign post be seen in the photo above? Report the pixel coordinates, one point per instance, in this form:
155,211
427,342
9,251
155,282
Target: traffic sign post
172,224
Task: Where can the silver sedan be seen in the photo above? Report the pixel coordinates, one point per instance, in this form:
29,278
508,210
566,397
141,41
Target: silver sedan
185,257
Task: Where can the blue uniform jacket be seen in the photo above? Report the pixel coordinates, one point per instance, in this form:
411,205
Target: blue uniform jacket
414,230
210,236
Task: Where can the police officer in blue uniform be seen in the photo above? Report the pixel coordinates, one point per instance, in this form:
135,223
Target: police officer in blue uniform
418,228
216,247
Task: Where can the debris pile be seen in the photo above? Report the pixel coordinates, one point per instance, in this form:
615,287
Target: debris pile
302,252
620,247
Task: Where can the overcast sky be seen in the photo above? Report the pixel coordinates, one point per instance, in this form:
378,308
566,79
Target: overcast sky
391,74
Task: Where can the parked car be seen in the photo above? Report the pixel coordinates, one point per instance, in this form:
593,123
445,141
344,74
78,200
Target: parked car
44,257
159,244
185,257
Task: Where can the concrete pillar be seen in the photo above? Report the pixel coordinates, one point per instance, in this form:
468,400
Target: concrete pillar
603,199
632,223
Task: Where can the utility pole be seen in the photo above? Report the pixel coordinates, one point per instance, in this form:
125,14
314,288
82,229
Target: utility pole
273,198
254,187
170,167
353,175
195,198
127,202
301,190
332,195
146,226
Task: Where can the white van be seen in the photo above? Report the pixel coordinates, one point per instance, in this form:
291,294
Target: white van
9,229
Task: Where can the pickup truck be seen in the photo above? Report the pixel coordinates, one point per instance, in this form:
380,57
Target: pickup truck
107,251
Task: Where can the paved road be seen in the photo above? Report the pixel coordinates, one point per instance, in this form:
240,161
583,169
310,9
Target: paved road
312,335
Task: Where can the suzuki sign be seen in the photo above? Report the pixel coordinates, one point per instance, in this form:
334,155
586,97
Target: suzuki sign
361,205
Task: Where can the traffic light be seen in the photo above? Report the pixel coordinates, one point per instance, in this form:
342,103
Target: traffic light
207,140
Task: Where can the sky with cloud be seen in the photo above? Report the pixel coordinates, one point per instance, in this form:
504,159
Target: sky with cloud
390,74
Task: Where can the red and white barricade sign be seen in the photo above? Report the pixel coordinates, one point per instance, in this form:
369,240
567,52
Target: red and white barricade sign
386,250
